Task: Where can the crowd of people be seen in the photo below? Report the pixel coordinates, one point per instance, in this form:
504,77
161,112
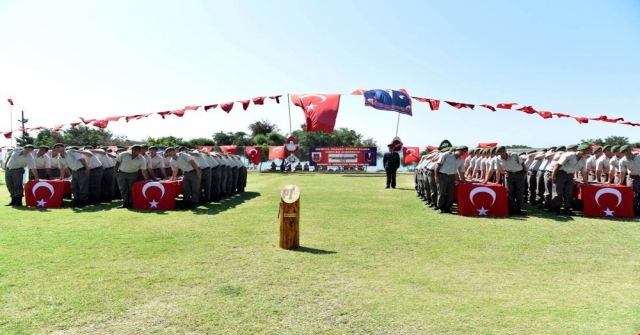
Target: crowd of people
99,175
542,178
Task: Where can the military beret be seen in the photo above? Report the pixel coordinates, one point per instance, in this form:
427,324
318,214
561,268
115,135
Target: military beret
625,148
58,145
144,146
87,147
136,146
105,148
595,149
153,147
28,146
615,148
561,147
44,147
169,149
462,147
582,147
544,150
552,148
182,148
574,146
606,147
445,149
502,147
531,151
73,148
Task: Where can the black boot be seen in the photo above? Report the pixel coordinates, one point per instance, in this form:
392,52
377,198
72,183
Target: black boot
13,202
18,202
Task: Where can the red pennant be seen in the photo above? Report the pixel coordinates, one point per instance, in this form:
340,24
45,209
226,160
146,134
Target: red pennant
37,128
459,105
599,118
44,193
320,110
113,118
560,115
7,134
58,140
57,128
87,121
10,101
102,124
527,109
254,154
276,152
163,114
208,107
431,148
276,97
258,100
630,123
227,107
191,108
178,113
493,109
232,149
614,120
545,115
245,103
358,92
506,105
433,103
581,119
411,154
487,145
74,124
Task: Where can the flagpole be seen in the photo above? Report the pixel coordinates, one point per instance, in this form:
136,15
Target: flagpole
398,125
11,122
289,107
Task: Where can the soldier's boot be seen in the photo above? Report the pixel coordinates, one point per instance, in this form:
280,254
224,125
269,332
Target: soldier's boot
13,201
18,202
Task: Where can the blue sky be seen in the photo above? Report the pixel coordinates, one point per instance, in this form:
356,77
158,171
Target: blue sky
64,59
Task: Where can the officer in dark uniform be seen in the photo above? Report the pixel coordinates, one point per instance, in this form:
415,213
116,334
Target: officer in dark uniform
391,163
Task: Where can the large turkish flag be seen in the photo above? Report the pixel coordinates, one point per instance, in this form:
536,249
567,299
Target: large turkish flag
475,199
231,149
254,154
154,195
600,200
320,110
276,153
411,155
44,193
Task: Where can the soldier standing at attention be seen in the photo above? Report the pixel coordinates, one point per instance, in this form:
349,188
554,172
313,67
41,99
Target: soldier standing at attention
43,163
191,176
515,170
14,172
630,167
602,165
73,160
432,197
447,167
391,163
562,176
128,165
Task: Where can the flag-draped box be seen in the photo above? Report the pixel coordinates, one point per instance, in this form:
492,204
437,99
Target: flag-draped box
602,200
44,193
157,195
476,199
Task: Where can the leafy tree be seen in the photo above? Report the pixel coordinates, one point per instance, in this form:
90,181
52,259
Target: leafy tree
262,127
45,137
167,141
83,135
265,140
340,137
241,138
221,138
616,140
199,141
25,139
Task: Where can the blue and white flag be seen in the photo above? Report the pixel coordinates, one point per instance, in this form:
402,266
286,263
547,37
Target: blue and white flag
389,100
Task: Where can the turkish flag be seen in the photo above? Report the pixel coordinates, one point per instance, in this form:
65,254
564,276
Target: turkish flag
276,153
320,110
254,154
165,113
102,124
208,107
527,109
178,113
459,105
44,193
600,200
561,115
411,155
433,103
206,148
276,98
154,195
227,106
232,149
67,186
37,128
487,145
599,118
258,100
545,115
74,124
57,128
7,134
245,103
10,101
581,119
179,188
113,118
482,199
191,108
506,105
87,121
493,109
630,123
358,92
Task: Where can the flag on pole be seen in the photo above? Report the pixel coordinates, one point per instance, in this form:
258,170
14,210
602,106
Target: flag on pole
10,101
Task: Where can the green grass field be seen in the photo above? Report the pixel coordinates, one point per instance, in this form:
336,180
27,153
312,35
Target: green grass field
373,261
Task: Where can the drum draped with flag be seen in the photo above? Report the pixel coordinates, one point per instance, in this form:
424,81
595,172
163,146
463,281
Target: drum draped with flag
476,199
44,193
157,195
606,200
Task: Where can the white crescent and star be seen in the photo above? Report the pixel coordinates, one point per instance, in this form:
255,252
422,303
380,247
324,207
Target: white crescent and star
277,150
153,203
311,106
410,151
253,152
608,190
42,184
482,189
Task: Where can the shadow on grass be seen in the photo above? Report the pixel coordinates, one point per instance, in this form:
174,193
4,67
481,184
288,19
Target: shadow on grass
313,251
529,213
215,208
366,174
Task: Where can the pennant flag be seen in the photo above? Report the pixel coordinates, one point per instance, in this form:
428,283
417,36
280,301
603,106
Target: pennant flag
411,155
433,103
191,108
389,100
165,113
113,118
276,152
581,119
57,128
506,105
227,107
7,134
630,123
87,121
102,124
208,107
245,103
545,115
74,124
254,154
527,109
258,100
36,128
179,112
459,105
276,97
599,118
493,109
560,115
358,92
58,140
231,149
487,145
207,148
10,101
613,120
320,110
431,148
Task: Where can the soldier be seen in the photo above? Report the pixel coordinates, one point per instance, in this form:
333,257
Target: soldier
224,175
234,173
602,165
191,176
155,164
614,165
205,180
391,163
421,177
515,170
540,163
552,156
214,164
14,172
630,167
143,152
74,161
432,197
56,170
167,162
562,176
128,165
532,176
242,175
107,181
96,171
447,167
43,163
596,153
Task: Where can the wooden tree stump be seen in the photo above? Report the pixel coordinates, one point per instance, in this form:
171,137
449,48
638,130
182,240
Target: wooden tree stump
289,216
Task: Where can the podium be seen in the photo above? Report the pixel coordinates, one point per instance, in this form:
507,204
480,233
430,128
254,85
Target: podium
289,215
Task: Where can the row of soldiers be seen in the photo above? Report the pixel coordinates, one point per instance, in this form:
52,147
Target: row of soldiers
543,178
100,175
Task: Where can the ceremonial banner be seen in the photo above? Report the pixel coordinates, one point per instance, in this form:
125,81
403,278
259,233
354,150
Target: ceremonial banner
411,155
600,200
343,156
254,154
44,193
154,195
276,152
482,199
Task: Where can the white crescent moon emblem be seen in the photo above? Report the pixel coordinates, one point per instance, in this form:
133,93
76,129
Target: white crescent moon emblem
253,152
42,184
487,190
277,150
410,151
152,184
313,95
608,190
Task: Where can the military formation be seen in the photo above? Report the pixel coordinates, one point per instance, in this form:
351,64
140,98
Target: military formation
541,178
99,175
